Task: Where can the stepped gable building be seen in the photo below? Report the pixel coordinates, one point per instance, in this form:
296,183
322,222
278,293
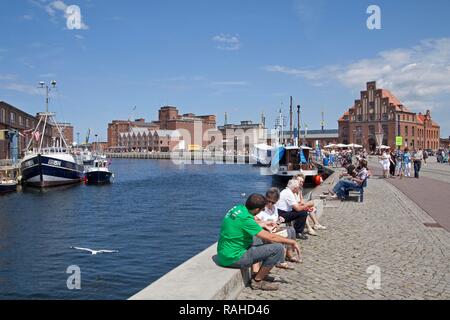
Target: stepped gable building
377,112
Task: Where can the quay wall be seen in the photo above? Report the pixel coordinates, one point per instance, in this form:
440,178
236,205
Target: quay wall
185,156
200,278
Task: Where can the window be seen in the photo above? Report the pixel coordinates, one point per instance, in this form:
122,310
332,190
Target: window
2,115
413,131
27,123
21,120
12,117
406,130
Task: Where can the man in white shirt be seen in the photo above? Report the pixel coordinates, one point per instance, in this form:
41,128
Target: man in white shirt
291,210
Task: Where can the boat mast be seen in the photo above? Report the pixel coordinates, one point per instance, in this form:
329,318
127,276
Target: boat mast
298,125
290,124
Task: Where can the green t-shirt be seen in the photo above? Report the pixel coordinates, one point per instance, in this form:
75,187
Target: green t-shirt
236,235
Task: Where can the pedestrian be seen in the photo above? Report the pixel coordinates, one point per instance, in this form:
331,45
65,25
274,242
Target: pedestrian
385,163
425,157
393,163
417,159
407,162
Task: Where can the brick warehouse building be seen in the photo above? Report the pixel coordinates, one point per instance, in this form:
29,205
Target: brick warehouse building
168,119
379,111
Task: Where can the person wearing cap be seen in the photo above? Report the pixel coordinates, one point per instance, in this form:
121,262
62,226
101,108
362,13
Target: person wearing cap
237,249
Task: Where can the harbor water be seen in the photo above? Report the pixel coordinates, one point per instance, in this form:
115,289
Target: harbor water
156,214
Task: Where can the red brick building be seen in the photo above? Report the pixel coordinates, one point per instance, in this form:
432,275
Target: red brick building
116,127
169,119
12,118
379,114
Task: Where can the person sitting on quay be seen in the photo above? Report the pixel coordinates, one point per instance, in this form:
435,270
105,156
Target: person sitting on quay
342,186
270,220
237,249
291,210
312,222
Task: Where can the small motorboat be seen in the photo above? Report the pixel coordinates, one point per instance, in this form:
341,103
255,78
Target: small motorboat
99,172
8,186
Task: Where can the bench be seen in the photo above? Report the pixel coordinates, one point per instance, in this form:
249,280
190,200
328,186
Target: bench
359,190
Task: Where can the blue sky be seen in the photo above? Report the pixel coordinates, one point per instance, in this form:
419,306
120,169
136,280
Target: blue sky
208,57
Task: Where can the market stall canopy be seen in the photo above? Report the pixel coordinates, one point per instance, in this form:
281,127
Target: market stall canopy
356,146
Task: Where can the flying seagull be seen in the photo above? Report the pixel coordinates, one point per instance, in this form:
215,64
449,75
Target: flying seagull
94,252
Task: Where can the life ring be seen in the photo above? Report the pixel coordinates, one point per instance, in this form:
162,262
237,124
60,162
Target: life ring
317,180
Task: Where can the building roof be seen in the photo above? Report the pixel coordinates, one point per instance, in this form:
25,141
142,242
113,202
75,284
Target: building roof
393,99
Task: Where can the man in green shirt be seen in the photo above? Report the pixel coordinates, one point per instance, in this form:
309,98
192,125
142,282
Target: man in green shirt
236,248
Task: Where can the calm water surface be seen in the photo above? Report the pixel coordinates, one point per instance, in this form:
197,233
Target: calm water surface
156,214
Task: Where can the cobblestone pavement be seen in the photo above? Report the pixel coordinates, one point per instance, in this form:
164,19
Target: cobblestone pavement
387,231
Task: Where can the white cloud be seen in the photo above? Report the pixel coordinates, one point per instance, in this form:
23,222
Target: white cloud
419,76
227,42
53,8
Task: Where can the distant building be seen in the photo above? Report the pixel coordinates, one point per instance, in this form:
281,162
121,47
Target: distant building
445,143
144,139
116,127
66,130
240,137
170,119
121,133
379,114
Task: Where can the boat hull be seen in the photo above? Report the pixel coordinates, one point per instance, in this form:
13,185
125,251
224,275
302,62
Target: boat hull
98,177
8,187
47,171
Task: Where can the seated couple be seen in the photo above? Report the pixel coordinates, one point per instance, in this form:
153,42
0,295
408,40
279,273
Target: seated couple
355,179
292,208
244,243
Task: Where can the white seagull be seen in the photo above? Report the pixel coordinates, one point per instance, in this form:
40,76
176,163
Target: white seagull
94,252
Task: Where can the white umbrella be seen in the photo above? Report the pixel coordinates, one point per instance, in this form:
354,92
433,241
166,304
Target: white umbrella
356,146
330,146
341,145
383,147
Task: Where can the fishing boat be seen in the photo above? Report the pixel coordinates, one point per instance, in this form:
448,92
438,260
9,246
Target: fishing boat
48,166
99,172
288,161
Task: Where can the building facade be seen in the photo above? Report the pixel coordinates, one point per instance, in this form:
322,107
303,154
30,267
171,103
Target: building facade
144,139
193,129
12,118
378,117
66,130
116,127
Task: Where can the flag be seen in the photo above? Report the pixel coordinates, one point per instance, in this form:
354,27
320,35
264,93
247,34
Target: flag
37,135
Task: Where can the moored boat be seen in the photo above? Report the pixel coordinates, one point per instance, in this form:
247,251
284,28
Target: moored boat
7,186
290,161
54,165
99,172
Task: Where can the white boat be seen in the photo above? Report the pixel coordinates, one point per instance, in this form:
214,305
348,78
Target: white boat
261,155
